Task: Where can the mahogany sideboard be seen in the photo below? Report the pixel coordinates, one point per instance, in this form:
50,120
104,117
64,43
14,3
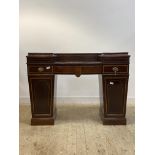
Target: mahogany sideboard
113,72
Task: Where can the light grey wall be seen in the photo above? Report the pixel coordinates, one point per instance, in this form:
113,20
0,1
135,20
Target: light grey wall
76,26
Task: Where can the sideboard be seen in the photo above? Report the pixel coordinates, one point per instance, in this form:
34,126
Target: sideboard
113,72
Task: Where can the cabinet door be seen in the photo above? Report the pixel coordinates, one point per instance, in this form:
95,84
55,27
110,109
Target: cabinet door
115,96
41,97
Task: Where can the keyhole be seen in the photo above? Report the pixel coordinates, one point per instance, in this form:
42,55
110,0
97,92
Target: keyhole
111,83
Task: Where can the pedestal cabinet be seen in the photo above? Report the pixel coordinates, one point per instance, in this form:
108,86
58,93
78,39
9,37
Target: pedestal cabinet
115,95
115,86
42,99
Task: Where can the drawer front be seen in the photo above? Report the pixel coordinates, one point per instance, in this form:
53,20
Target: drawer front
115,69
41,69
77,69
65,69
92,69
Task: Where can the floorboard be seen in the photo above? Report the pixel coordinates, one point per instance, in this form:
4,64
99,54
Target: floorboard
78,130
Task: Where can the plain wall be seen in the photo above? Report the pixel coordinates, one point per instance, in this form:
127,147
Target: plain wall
76,26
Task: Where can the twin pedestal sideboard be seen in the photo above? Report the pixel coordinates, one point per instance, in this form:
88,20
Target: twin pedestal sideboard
113,72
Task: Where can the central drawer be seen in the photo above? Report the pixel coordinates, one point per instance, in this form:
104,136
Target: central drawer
77,69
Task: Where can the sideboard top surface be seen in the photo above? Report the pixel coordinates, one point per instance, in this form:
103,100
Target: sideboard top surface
78,58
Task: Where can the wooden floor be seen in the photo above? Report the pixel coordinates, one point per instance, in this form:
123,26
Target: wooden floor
78,130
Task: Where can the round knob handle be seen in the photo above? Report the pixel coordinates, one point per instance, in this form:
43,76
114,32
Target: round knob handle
115,69
48,67
40,69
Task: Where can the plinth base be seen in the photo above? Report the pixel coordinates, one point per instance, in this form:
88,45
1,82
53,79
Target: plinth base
42,121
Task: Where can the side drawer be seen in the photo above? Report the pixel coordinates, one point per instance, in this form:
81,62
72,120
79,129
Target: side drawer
40,69
115,69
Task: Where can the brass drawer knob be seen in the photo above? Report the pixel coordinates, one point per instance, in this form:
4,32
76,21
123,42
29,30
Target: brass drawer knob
48,67
40,69
115,69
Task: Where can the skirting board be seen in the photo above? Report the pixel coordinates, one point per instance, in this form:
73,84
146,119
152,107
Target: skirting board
81,100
